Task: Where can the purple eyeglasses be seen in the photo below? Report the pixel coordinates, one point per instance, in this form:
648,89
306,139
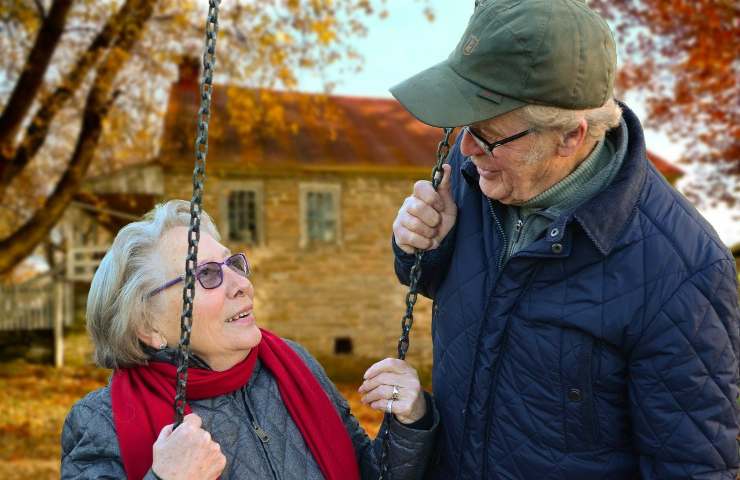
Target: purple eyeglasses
211,274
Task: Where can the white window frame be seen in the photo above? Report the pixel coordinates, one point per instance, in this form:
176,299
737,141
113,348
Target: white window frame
230,186
304,189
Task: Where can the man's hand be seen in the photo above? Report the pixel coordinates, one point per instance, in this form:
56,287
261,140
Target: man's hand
188,452
426,217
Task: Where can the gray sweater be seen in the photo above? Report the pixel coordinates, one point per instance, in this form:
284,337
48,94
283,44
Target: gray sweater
274,450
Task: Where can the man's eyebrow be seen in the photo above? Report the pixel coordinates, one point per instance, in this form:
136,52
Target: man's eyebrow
486,131
490,131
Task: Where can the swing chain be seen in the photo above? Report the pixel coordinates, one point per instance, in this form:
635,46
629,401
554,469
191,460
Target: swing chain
443,149
199,176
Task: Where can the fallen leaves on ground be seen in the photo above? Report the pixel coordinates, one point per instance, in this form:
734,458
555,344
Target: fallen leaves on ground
36,399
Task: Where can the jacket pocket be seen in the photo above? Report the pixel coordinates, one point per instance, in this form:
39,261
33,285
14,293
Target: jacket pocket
580,422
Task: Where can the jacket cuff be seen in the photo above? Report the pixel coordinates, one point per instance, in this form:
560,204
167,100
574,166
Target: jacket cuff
425,422
403,257
420,430
430,256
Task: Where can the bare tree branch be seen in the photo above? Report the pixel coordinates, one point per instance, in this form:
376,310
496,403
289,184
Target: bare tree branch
40,9
99,99
31,77
39,126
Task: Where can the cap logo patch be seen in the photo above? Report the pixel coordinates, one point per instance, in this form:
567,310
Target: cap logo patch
470,45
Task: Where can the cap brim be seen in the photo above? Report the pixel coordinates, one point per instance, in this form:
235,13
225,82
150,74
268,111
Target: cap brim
439,97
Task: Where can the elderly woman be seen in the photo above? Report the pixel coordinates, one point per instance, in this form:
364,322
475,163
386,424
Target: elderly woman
261,406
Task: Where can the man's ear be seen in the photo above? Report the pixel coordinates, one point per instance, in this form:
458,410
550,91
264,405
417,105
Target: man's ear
573,140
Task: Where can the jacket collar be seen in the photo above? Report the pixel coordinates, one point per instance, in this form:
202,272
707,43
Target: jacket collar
619,198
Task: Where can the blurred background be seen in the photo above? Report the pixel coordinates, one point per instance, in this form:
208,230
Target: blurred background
309,159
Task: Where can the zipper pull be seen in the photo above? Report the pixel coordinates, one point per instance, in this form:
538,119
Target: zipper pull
261,433
519,225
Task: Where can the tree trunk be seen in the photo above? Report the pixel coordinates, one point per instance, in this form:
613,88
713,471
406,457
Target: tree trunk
22,242
31,77
39,126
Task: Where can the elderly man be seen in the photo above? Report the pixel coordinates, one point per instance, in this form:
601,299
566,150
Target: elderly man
585,319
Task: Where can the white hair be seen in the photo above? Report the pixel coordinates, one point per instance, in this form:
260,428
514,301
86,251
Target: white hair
117,304
599,119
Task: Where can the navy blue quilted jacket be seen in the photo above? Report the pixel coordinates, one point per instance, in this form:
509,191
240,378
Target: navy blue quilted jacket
606,350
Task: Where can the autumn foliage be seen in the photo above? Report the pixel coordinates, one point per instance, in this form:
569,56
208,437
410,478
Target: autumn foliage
36,399
682,57
84,85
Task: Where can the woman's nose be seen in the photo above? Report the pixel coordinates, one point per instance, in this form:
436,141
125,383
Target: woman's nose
237,284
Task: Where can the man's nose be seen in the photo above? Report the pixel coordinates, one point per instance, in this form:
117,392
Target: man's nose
469,147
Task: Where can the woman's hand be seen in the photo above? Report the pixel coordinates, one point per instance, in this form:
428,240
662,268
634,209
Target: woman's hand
188,452
408,404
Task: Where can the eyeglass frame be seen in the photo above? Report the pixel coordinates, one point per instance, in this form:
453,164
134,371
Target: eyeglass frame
181,278
489,146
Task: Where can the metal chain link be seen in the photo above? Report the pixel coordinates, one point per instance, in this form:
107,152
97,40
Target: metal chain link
443,149
199,176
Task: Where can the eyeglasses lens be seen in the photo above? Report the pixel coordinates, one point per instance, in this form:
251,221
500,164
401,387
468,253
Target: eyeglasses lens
477,139
210,275
238,263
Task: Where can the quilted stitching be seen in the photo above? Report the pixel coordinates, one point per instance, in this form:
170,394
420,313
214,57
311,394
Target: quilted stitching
90,446
656,312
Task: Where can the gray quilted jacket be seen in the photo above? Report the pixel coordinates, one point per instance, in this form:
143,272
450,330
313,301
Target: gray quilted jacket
264,444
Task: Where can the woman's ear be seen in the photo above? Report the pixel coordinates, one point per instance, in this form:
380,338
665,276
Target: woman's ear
573,140
152,337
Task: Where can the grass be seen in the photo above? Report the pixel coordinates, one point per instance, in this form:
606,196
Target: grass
36,399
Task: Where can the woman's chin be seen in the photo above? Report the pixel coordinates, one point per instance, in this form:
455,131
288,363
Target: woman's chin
247,337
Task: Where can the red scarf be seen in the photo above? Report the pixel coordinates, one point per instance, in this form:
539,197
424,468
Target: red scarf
143,396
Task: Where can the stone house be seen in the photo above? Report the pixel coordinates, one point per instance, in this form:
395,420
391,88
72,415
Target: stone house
311,207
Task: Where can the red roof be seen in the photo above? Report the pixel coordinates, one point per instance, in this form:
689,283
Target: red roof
332,132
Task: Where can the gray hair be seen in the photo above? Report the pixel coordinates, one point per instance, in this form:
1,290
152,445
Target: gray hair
117,304
599,119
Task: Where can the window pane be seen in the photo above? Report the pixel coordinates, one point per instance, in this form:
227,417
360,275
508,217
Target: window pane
242,216
321,217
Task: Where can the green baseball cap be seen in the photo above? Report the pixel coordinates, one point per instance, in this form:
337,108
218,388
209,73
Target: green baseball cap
516,52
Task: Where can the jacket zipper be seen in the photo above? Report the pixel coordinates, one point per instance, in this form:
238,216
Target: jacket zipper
505,334
517,235
503,235
505,338
261,434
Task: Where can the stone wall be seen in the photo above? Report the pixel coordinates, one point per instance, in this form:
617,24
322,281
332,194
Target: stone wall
321,293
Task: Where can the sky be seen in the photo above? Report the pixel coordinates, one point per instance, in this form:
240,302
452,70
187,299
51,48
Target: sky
406,42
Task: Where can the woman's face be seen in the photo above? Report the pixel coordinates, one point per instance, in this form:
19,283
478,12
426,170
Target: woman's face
224,328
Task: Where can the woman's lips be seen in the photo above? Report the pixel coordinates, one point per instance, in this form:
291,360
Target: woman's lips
247,320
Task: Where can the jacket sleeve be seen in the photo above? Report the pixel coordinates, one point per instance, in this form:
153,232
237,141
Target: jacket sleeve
410,449
434,262
683,390
89,443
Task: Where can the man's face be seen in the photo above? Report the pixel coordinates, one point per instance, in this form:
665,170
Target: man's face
518,170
